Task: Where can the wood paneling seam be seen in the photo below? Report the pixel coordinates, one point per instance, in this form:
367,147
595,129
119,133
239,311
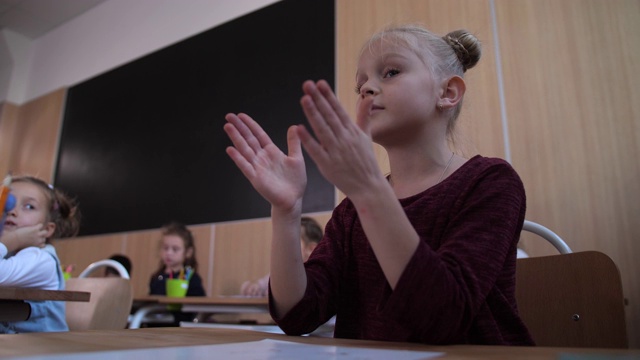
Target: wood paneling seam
503,106
212,246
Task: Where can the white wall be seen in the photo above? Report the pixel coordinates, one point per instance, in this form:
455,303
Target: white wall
6,65
15,56
109,35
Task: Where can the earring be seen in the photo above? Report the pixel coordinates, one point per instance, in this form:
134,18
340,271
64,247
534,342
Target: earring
440,107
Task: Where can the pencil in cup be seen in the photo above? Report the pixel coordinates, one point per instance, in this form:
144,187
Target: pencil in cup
4,196
4,192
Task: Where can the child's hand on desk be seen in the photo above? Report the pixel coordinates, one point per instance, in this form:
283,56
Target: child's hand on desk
249,288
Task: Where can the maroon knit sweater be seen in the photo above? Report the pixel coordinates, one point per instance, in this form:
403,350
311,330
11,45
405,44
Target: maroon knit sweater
459,286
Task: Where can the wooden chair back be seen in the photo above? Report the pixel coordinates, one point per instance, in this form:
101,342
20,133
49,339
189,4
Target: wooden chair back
108,308
572,300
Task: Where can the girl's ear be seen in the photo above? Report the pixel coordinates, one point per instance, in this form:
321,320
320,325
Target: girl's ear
453,90
188,253
50,227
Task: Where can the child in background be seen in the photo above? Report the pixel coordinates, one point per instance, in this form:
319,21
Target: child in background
311,234
122,259
426,254
177,254
20,238
177,257
40,212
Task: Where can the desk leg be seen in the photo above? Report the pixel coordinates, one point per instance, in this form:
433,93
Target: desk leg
136,319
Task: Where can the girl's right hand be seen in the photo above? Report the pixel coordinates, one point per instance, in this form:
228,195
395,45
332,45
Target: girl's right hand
24,237
280,178
342,149
34,235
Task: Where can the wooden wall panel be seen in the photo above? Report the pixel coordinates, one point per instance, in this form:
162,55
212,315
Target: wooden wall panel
8,126
242,252
37,135
572,90
143,248
203,235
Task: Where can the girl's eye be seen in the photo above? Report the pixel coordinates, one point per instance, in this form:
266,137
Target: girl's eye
391,73
387,73
29,207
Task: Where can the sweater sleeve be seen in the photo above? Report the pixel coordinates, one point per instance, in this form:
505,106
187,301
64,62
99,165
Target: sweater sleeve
441,290
30,267
324,269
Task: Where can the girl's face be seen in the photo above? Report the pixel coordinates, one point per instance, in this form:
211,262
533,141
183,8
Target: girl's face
31,208
396,93
173,252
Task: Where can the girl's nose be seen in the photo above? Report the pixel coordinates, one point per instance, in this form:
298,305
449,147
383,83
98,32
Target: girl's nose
368,88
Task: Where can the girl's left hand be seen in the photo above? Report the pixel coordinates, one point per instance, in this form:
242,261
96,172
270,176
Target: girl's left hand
344,151
280,178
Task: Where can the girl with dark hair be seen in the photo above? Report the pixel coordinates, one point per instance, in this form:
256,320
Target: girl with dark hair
41,213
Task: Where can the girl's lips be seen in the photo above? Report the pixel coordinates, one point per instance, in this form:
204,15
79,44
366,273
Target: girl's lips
375,108
9,226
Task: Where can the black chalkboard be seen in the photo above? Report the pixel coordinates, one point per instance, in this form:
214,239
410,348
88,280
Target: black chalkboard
143,144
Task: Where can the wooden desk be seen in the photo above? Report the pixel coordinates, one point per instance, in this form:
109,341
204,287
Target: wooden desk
14,308
18,293
199,304
100,341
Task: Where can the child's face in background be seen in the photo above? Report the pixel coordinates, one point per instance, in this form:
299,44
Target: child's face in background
307,249
31,208
173,252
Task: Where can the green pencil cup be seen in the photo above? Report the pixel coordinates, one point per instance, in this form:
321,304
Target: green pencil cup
177,287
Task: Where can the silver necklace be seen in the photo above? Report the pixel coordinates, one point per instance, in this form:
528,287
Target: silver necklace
446,168
441,175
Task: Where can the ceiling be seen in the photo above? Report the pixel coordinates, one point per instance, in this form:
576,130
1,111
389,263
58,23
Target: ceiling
34,18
